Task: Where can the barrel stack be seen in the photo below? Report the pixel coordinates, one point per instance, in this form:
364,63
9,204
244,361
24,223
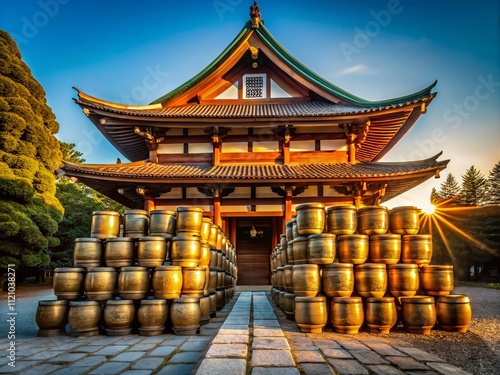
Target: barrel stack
144,272
366,268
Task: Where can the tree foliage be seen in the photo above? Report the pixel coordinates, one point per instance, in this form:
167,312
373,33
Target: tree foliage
29,154
70,154
473,187
492,191
449,190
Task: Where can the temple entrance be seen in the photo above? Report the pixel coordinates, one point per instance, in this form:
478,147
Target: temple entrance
253,248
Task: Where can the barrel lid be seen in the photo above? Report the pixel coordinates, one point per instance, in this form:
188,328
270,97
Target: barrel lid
288,224
194,268
207,220
289,295
294,219
133,268
162,212
153,301
405,208
152,238
53,303
416,237
282,235
403,266
310,205
101,269
136,212
417,299
109,213
299,239
454,298
186,299
69,269
288,266
371,265
338,265
119,302
382,237
189,209
86,239
372,208
380,299
119,239
346,299
306,265
347,237
310,299
341,207
436,267
322,235
188,238
84,303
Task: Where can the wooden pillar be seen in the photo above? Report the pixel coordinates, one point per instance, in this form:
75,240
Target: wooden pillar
232,231
286,152
149,204
216,153
351,152
288,205
217,216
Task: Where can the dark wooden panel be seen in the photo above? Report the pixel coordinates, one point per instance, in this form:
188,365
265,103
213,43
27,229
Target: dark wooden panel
251,157
308,157
205,158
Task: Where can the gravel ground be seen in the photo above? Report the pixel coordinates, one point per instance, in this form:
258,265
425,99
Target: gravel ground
476,351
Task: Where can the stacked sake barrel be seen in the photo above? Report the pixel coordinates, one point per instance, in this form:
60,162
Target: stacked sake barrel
144,271
367,267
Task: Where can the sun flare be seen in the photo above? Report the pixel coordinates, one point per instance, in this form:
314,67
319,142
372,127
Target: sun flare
428,209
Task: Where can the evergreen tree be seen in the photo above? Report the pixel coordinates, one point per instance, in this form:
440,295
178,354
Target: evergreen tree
29,154
473,187
492,193
435,198
449,190
70,154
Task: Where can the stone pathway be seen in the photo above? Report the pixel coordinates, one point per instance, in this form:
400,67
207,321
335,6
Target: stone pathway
248,336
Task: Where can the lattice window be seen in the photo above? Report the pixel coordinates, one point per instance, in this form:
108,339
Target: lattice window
254,86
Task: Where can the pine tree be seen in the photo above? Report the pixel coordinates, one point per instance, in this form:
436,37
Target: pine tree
29,154
450,190
492,193
473,187
435,198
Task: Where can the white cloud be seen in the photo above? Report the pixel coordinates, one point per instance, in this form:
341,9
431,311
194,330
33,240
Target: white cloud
356,69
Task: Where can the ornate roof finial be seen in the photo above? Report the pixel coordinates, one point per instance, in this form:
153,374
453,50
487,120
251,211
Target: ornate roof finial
255,15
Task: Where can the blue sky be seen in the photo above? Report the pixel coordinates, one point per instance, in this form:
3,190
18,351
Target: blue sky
134,52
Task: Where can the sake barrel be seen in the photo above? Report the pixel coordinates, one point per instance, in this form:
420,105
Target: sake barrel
51,317
288,278
87,252
341,219
370,279
151,251
289,306
310,218
105,224
437,280
321,248
185,314
135,223
338,279
295,232
453,312
346,314
353,248
289,231
119,252
100,283
416,249
385,248
152,315
404,220
84,317
186,251
380,315
418,314
118,317
167,282
311,314
68,282
299,245
189,221
205,309
373,220
162,223
403,279
206,225
193,281
306,280
133,283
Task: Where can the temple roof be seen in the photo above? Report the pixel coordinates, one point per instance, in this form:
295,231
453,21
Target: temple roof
400,176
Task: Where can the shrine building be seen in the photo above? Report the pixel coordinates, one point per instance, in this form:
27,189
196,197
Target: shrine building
249,138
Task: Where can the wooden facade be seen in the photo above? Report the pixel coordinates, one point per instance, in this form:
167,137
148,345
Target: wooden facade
250,137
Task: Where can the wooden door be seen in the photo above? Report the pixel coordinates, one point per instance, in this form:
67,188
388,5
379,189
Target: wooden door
253,249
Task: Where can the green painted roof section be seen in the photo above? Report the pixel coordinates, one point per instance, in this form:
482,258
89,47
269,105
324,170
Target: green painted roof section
300,68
